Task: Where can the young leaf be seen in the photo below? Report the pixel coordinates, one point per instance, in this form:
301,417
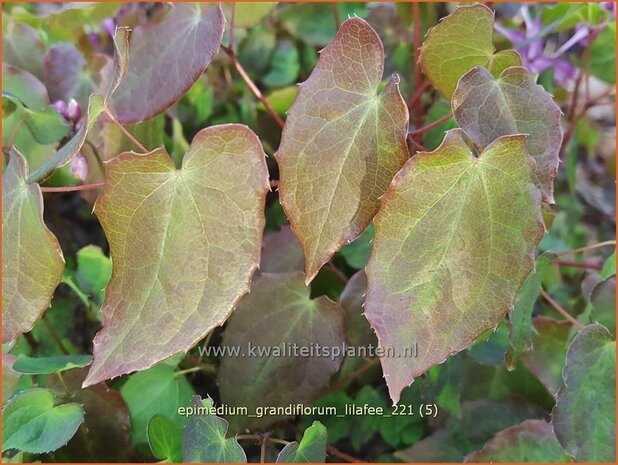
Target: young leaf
173,54
165,439
460,42
520,316
47,365
312,447
97,103
204,441
487,108
532,441
465,255
184,245
549,343
155,391
32,423
584,417
31,256
341,145
276,314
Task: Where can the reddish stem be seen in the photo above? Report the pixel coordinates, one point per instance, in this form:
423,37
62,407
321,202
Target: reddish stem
416,145
426,128
582,265
81,187
335,15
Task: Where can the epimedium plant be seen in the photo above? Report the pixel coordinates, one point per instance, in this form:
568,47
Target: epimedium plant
456,231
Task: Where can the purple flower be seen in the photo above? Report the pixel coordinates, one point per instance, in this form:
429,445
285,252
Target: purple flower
109,26
534,53
74,111
79,167
61,107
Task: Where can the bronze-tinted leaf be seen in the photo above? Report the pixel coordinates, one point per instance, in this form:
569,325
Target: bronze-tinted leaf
487,108
278,313
173,54
455,238
341,145
184,245
281,252
32,261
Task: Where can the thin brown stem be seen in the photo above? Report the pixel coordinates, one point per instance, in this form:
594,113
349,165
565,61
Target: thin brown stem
54,335
416,19
125,132
252,87
586,248
332,450
97,155
417,146
582,265
232,21
263,450
429,126
343,382
331,266
333,7
81,187
556,306
418,93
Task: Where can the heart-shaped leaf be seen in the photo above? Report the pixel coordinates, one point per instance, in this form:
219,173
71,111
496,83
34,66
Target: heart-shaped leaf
341,145
584,417
32,261
312,447
173,54
165,439
204,441
47,365
487,108
32,423
460,42
276,314
465,255
184,245
532,441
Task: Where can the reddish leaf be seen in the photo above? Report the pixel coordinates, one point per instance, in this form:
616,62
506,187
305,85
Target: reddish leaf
341,145
184,245
173,54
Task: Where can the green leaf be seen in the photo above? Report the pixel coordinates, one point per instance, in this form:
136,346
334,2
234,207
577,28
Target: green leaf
94,269
285,65
46,125
31,249
204,441
443,384
480,420
31,422
281,99
465,255
603,301
532,441
312,447
157,390
487,108
584,417
457,44
549,343
357,253
251,14
490,348
335,133
22,47
165,439
276,314
365,427
603,55
48,365
357,329
97,104
167,53
520,316
281,252
203,224
338,428
609,267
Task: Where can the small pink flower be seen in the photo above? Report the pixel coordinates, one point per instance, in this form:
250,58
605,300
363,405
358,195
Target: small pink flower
79,167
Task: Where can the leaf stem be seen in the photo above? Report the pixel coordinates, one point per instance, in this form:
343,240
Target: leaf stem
586,248
205,367
417,146
125,132
333,7
21,121
252,87
582,265
561,310
232,27
81,187
331,266
418,93
429,126
261,437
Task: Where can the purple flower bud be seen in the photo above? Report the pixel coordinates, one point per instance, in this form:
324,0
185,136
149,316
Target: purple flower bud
94,39
74,112
79,167
61,107
109,26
